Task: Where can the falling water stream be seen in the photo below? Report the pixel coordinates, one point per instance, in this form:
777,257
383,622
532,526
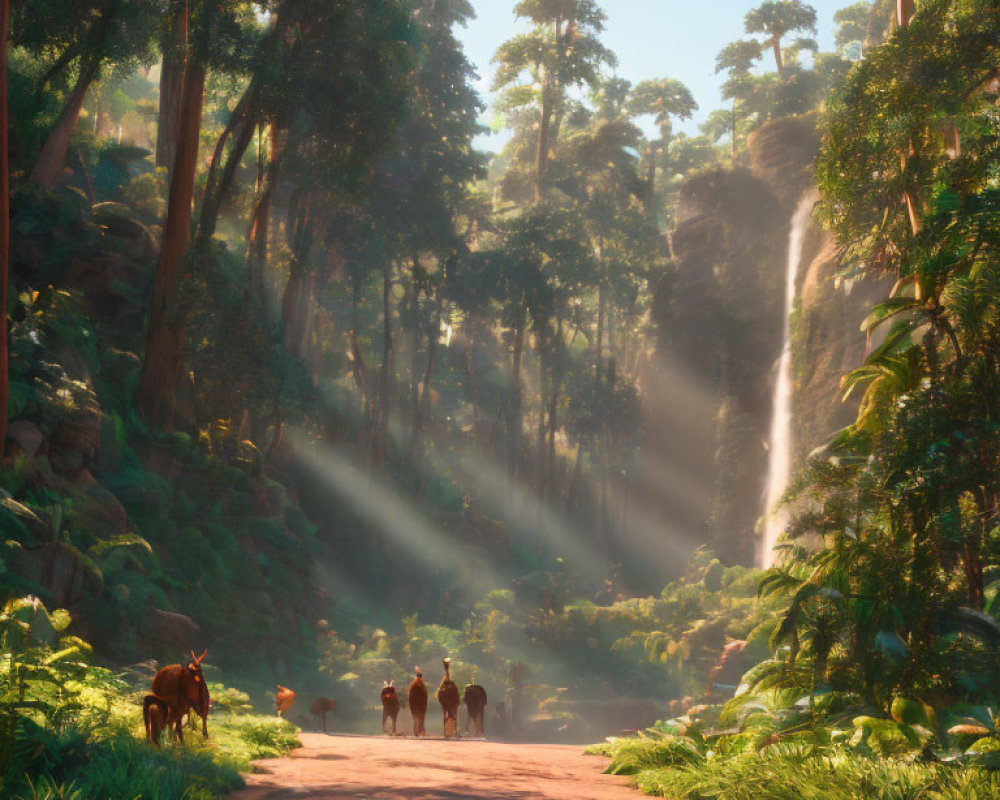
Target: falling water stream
780,443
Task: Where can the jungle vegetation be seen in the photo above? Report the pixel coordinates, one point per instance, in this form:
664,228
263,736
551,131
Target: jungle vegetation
292,369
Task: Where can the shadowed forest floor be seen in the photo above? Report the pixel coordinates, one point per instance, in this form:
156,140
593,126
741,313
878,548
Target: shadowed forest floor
380,768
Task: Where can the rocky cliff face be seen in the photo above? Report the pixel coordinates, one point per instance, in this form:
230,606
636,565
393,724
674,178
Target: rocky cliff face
719,315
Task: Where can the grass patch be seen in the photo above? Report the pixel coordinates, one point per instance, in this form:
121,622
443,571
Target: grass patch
116,764
790,772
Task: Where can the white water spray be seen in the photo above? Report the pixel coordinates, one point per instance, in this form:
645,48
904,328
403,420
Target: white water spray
779,465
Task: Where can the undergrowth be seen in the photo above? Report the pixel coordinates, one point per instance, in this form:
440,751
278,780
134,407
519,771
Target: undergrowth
681,768
72,731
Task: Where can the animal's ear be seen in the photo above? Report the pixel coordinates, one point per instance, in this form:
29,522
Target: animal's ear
384,684
200,658
392,682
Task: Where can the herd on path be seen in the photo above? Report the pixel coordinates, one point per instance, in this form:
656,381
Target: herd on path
180,690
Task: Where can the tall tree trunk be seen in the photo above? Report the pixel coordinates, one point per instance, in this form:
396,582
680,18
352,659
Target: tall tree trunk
542,151
162,365
173,48
241,127
257,238
358,370
385,402
776,49
414,314
557,378
4,226
291,308
599,346
425,407
543,359
733,157
52,158
905,9
296,297
514,406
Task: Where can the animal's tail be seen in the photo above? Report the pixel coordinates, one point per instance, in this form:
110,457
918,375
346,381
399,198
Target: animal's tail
149,703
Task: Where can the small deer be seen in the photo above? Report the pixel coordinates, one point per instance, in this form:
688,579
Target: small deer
390,705
322,706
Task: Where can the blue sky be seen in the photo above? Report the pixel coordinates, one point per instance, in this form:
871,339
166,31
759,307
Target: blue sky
652,38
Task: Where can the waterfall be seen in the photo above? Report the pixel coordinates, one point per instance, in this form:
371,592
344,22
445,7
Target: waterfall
779,465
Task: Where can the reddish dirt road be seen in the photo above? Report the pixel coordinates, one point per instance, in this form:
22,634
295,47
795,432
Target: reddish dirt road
380,768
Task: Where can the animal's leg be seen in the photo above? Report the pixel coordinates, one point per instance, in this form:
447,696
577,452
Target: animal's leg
146,711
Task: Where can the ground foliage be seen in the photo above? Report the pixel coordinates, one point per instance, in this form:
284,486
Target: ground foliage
74,729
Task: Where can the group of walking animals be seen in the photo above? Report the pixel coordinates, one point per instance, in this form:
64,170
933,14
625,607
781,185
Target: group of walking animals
447,695
179,691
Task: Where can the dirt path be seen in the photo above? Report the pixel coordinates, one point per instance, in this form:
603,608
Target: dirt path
380,768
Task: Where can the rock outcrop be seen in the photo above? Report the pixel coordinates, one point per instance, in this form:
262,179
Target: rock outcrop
719,315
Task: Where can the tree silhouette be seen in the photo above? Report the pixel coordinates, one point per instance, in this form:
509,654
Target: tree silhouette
776,19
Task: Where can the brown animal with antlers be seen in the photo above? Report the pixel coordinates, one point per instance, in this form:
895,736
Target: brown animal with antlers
449,698
390,705
177,690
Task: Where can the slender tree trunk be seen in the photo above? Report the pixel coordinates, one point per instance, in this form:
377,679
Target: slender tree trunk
385,406
425,407
171,81
599,346
295,300
514,412
257,246
776,49
432,345
651,172
543,358
470,369
733,160
542,151
162,365
52,158
905,9
241,127
414,304
357,354
257,239
557,376
4,226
